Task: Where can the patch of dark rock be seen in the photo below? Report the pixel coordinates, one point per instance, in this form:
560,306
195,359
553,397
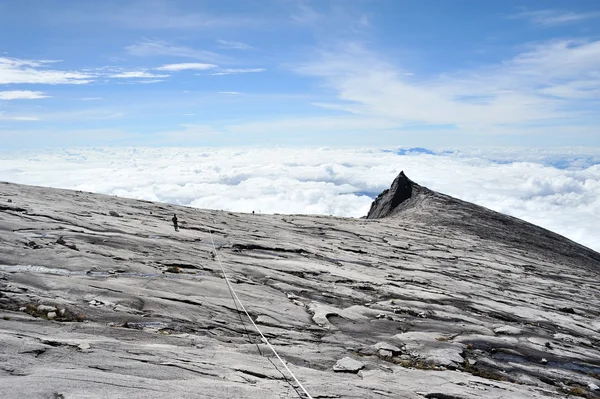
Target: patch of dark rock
140,325
114,214
584,368
332,278
509,356
12,208
255,374
567,310
442,396
62,242
356,251
251,247
505,317
53,343
35,352
547,380
101,368
411,281
364,287
188,301
180,265
297,273
33,245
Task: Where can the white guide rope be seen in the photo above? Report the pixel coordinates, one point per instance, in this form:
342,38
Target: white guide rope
250,318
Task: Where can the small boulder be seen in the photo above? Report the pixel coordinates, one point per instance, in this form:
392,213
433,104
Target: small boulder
115,214
51,315
84,346
394,350
348,365
385,354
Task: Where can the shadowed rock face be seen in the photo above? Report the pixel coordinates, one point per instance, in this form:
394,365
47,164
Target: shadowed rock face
435,298
387,202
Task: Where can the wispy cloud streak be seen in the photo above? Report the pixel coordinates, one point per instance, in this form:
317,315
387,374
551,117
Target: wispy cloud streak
554,17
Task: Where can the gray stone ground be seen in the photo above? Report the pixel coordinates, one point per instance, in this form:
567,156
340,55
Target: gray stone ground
443,300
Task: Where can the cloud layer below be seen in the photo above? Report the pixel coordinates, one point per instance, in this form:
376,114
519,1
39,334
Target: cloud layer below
556,189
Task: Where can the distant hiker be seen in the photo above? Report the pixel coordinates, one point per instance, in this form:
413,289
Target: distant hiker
175,222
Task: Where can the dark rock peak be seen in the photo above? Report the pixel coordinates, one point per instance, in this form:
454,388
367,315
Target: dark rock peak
401,190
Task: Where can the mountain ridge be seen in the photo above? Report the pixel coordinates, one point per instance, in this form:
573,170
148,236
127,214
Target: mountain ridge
405,198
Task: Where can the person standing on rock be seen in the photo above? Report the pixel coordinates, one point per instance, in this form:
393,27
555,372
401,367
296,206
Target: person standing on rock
175,222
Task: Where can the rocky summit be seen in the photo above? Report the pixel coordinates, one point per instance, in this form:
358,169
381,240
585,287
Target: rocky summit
427,297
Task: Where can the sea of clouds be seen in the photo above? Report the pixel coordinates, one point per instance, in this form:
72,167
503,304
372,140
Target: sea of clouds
558,189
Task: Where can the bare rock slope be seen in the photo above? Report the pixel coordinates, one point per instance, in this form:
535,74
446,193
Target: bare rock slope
430,297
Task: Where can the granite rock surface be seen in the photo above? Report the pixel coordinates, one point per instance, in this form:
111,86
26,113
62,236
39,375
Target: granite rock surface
430,297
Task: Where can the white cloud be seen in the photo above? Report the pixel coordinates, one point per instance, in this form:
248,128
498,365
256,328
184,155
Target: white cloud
149,81
153,48
90,98
186,66
234,45
21,95
554,17
20,71
514,93
136,74
557,189
20,118
233,71
230,92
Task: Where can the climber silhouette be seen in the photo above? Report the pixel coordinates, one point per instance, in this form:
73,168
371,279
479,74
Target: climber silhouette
175,222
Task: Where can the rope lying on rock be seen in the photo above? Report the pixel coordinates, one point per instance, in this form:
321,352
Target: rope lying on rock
264,339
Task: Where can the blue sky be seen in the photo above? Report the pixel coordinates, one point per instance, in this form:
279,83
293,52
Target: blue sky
290,72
